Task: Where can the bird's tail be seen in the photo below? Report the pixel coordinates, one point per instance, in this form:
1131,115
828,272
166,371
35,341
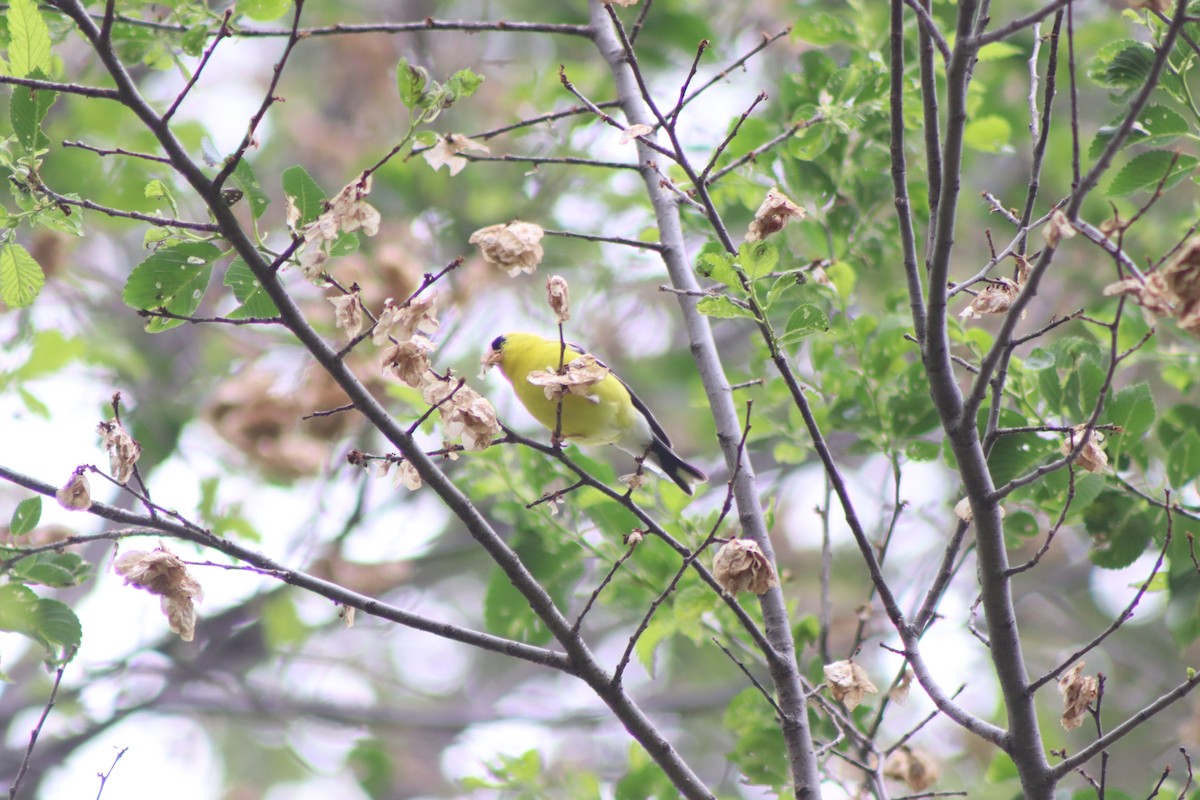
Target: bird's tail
675,468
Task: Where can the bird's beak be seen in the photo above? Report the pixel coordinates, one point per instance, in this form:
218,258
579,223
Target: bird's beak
492,358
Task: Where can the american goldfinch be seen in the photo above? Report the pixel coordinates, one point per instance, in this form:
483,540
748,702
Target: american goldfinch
597,406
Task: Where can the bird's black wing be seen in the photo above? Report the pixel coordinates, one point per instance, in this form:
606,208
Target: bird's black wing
655,427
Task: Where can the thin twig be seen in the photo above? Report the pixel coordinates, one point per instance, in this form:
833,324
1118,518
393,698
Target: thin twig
37,729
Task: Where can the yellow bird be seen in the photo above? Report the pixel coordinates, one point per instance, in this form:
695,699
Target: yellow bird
598,408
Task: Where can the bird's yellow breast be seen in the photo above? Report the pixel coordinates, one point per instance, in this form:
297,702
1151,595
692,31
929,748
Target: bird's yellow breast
603,416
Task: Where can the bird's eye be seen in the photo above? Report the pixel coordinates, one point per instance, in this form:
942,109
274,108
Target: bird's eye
497,343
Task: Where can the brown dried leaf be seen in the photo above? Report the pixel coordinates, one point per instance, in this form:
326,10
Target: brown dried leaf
1154,294
1058,227
123,450
348,314
1078,691
558,296
163,573
848,682
633,131
899,692
996,298
741,566
578,378
408,361
76,493
776,211
446,152
406,476
1091,457
918,769
513,247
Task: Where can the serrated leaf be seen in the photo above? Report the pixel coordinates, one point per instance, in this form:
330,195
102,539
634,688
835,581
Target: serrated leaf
411,82
305,192
245,179
805,319
18,608
757,259
254,300
1183,460
174,278
345,244
43,573
157,190
722,307
1146,171
781,285
21,277
718,267
1122,64
27,109
464,83
1133,409
29,39
56,570
26,516
1156,126
56,624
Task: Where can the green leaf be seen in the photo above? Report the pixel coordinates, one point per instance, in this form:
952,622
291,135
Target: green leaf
263,10
786,281
998,50
194,41
804,320
157,190
411,81
922,450
1015,455
757,259
26,516
644,779
174,278
21,277
52,351
719,267
988,134
1183,460
1122,64
722,307
56,570
1156,126
29,39
306,194
243,175
55,623
759,751
1120,531
1133,409
374,766
1146,170
27,110
821,28
254,300
18,608
463,83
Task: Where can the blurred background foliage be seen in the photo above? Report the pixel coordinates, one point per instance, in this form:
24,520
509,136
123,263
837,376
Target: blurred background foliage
275,699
